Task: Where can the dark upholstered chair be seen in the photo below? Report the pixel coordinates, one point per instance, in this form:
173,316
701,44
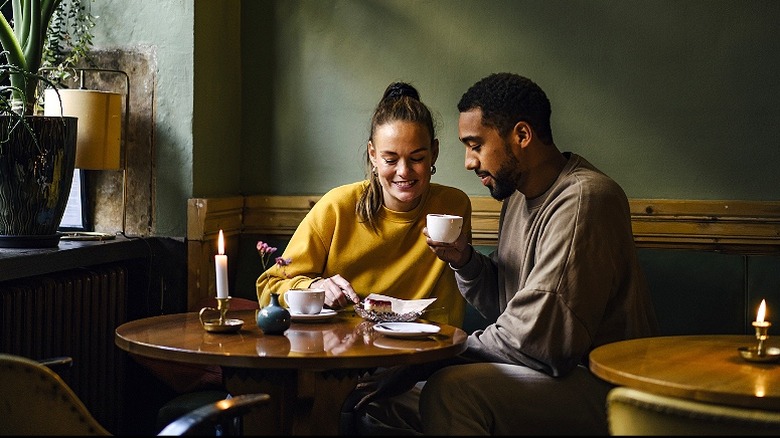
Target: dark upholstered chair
634,412
34,400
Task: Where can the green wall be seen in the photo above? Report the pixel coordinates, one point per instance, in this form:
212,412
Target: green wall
164,27
674,99
217,117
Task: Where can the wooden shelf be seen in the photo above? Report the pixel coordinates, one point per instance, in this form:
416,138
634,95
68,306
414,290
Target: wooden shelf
21,263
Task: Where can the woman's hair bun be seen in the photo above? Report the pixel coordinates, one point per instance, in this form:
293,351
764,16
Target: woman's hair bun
397,90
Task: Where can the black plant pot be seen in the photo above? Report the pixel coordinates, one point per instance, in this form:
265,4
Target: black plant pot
37,157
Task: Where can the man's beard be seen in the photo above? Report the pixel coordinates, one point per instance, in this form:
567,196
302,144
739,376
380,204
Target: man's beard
505,179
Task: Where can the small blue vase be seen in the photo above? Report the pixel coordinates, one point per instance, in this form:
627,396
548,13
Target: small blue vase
273,319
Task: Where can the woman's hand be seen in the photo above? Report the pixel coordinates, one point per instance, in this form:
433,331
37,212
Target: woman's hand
338,292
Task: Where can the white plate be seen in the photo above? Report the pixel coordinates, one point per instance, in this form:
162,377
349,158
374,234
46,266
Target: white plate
406,329
325,315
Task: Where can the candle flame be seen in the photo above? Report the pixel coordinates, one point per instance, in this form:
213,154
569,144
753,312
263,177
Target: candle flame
761,311
221,245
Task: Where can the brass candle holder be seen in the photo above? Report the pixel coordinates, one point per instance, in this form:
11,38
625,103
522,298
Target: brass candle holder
760,353
222,324
762,328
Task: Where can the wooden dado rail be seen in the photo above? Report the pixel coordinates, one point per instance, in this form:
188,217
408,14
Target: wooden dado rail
744,227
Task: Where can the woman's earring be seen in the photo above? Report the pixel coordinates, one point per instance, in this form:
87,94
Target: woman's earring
433,170
373,170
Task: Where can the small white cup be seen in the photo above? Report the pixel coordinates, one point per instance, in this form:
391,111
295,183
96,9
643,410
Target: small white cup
444,227
308,301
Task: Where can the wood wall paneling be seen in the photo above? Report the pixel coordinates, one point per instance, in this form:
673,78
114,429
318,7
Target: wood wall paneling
741,227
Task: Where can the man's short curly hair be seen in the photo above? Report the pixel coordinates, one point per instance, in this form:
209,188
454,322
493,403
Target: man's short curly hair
507,98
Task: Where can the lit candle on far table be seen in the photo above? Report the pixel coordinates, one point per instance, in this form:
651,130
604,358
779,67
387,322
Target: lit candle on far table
759,322
220,261
762,327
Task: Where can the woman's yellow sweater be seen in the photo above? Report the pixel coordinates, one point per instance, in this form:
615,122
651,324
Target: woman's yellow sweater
394,261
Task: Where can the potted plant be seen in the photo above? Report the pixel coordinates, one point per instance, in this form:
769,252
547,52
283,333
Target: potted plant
37,153
68,41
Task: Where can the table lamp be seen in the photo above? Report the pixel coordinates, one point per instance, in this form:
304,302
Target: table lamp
100,133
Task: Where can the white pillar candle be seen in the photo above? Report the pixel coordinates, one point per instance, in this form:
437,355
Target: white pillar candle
220,261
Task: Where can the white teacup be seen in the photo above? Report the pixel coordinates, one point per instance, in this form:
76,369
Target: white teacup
308,301
444,227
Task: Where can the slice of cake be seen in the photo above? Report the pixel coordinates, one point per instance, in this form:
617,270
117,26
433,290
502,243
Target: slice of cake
378,306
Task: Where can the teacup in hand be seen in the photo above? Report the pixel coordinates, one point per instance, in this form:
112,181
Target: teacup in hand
444,227
308,301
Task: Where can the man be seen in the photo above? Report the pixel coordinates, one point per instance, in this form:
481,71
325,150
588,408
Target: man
563,280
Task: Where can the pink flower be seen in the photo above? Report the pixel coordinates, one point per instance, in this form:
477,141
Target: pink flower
265,250
283,263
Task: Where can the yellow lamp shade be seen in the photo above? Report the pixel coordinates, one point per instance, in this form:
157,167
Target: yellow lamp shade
99,127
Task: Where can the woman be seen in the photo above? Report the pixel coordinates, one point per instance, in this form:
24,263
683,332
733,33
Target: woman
367,236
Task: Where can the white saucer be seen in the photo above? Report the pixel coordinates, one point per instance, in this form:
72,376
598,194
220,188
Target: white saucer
406,329
325,315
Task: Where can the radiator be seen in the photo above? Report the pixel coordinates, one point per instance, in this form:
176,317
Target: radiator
72,313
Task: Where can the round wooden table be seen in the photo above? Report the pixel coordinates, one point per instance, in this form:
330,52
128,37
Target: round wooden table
308,371
707,368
